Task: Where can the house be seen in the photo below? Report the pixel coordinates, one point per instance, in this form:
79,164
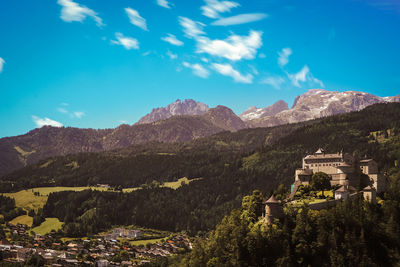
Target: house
344,192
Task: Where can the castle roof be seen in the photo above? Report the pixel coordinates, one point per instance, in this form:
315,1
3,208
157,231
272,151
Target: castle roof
366,161
343,165
305,172
324,156
272,199
320,151
346,188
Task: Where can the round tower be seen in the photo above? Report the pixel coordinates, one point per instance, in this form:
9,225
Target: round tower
273,209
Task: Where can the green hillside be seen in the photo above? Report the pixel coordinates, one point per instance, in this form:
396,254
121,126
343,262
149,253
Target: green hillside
227,177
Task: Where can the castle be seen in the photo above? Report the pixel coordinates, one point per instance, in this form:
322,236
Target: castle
344,170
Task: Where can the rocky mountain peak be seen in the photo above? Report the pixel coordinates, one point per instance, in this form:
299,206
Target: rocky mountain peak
187,107
316,103
253,112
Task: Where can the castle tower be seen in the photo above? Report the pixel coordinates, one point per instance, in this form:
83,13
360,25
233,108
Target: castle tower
273,209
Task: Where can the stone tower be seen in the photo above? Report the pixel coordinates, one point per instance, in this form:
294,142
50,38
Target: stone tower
273,209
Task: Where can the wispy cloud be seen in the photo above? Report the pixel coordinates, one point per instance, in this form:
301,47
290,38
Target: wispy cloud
212,8
274,81
75,114
197,69
172,55
234,48
240,19
2,62
136,19
192,29
284,56
164,3
262,55
228,70
170,38
72,11
79,114
304,75
127,42
40,122
62,110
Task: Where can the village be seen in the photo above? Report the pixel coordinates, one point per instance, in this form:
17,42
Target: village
118,247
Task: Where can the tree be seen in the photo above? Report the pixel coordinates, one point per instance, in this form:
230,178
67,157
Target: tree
320,181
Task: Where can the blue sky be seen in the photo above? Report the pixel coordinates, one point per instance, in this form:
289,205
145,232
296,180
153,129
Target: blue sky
100,63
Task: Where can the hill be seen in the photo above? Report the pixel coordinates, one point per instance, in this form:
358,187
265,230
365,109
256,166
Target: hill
227,177
17,152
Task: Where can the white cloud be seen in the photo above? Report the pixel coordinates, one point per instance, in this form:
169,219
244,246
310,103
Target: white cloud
72,11
274,81
214,7
172,55
40,122
62,110
262,55
253,69
317,81
197,69
170,38
145,54
192,29
136,19
240,19
300,76
235,47
284,56
2,62
304,75
79,114
228,70
127,42
164,3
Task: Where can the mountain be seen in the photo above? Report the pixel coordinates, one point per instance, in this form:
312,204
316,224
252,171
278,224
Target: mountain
187,107
20,151
224,118
316,103
255,113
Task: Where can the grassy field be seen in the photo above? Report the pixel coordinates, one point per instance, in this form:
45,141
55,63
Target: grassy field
23,219
175,185
48,225
27,200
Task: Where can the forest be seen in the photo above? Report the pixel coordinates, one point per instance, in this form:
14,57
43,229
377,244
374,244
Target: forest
353,233
228,177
